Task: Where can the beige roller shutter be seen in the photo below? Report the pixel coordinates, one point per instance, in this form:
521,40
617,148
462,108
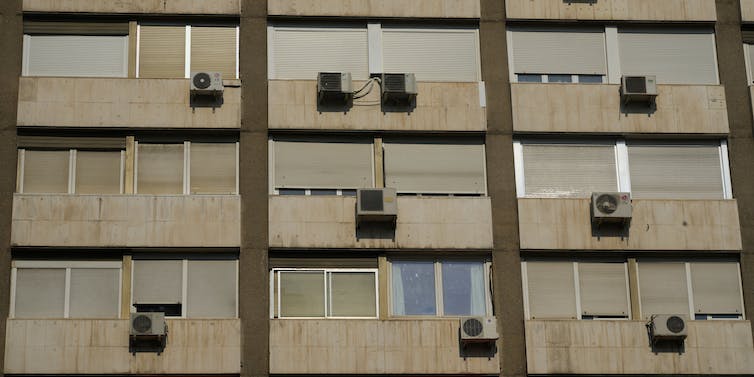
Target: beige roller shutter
574,170
326,165
213,48
302,52
77,55
551,290
158,281
46,171
213,168
663,288
603,289
162,51
435,168
94,292
559,51
40,293
453,53
211,289
716,287
159,169
680,56
98,172
676,171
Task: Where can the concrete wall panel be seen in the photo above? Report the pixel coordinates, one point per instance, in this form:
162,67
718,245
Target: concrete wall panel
439,107
372,347
565,224
597,108
423,222
216,7
631,10
70,346
622,347
126,221
105,102
376,8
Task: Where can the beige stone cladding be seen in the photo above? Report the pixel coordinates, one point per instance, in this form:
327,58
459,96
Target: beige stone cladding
631,10
377,8
214,7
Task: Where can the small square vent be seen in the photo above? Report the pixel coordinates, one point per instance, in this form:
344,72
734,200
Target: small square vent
371,200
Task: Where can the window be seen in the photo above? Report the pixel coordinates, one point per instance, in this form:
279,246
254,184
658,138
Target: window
174,51
577,290
440,288
325,292
65,289
71,171
195,287
186,168
649,170
702,289
324,166
419,166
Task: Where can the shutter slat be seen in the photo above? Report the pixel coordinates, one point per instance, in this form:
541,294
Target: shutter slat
322,262
77,55
214,49
159,169
716,287
213,168
323,165
157,281
58,142
75,28
569,169
162,51
301,53
603,289
98,172
551,290
663,288
559,51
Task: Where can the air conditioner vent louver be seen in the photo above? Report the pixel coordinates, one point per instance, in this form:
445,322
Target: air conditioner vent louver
376,205
636,85
398,88
334,88
638,89
371,200
478,329
395,83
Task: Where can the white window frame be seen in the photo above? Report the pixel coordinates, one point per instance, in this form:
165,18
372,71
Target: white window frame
186,166
184,284
67,266
437,263
276,301
72,166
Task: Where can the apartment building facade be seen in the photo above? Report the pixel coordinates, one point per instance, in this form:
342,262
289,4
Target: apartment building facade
236,216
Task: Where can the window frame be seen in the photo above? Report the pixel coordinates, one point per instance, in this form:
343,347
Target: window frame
66,265
72,166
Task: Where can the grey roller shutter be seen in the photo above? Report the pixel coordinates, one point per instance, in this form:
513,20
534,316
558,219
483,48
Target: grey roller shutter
569,169
75,28
211,289
603,288
94,293
314,262
716,287
58,142
40,293
158,281
213,48
663,288
551,290
750,48
681,56
46,171
433,54
559,51
162,51
299,53
77,55
326,165
435,167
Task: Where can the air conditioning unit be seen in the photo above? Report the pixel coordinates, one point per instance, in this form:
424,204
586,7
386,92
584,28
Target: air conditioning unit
611,207
398,88
206,83
150,324
638,89
669,327
376,205
334,87
478,329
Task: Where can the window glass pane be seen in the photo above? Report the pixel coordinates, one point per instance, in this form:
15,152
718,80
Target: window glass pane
590,79
46,171
324,192
40,292
529,78
574,170
463,288
211,289
284,191
352,294
94,292
413,288
158,281
160,169
559,78
213,168
97,172
302,293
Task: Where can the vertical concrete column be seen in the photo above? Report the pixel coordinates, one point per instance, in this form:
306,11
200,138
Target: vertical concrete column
730,57
506,260
253,273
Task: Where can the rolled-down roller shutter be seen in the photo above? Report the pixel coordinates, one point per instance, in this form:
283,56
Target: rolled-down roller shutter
75,28
603,289
569,169
77,55
213,48
716,287
663,288
56,142
162,51
46,171
325,165
551,290
435,167
158,281
559,51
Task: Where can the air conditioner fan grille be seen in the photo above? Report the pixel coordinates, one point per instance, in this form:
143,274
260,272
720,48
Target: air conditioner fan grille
675,324
202,80
142,323
472,327
607,203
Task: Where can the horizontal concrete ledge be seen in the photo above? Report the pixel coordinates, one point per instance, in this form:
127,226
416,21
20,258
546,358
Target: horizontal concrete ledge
83,346
376,8
613,10
208,7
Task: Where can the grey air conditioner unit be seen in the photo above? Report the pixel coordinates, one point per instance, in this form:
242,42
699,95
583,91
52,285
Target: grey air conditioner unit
638,89
334,88
398,88
611,207
376,205
206,83
669,327
478,329
151,324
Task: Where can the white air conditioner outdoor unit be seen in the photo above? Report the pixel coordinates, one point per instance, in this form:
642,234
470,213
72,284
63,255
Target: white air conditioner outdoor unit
478,329
150,324
376,205
206,83
638,89
669,327
398,88
334,87
611,207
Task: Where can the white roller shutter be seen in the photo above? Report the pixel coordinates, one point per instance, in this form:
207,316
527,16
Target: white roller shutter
323,165
211,289
299,53
552,293
574,170
94,292
562,51
40,293
435,168
432,54
158,281
663,288
603,289
77,55
684,56
716,287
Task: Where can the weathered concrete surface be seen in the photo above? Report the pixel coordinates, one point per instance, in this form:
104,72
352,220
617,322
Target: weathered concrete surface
597,108
622,347
371,347
70,346
118,102
423,222
376,8
126,220
439,107
631,10
565,224
217,7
